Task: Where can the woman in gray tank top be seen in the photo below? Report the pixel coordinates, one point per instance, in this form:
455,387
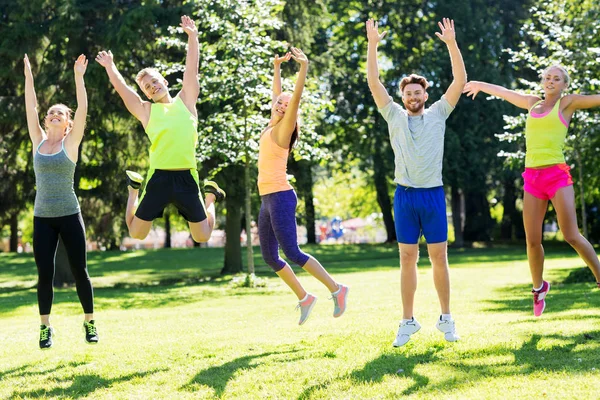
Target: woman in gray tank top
56,209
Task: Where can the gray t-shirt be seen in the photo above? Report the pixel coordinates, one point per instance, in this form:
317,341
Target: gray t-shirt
418,143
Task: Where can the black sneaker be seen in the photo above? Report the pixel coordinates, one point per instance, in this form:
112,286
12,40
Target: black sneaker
91,334
46,334
212,187
134,179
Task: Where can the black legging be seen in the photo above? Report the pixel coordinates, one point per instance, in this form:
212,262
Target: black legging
45,242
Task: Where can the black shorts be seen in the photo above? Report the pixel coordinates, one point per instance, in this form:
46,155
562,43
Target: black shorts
177,187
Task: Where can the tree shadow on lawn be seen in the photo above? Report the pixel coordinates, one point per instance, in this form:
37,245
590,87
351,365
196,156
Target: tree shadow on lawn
470,367
218,376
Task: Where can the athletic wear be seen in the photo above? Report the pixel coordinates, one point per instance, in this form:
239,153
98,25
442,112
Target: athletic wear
545,136
539,299
134,179
272,166
212,187
543,183
418,152
448,327
420,210
55,195
339,300
45,242
406,329
46,334
173,132
91,333
177,187
306,305
277,226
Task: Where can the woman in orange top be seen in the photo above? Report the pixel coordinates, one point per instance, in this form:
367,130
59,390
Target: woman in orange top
277,219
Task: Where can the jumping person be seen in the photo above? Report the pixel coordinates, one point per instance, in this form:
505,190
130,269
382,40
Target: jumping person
277,218
171,125
56,209
417,138
546,175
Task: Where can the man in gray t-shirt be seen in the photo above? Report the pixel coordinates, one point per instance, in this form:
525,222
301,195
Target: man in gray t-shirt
417,138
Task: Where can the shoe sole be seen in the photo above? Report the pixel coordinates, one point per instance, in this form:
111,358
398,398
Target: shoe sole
308,312
345,304
409,336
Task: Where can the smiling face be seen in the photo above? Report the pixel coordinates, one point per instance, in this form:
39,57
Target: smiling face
152,84
414,97
281,105
554,80
58,117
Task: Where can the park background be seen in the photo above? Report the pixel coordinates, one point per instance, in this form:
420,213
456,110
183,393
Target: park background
342,167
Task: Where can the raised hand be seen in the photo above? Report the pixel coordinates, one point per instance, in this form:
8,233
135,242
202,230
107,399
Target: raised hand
105,58
188,25
373,32
472,88
448,34
278,60
27,68
80,65
299,56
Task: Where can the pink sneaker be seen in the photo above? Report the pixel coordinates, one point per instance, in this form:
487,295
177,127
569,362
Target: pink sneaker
539,299
339,300
306,307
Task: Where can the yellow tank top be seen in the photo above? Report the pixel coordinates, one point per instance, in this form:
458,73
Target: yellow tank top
545,136
272,166
173,134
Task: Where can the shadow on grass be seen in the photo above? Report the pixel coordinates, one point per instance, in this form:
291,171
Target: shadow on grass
81,385
218,376
560,354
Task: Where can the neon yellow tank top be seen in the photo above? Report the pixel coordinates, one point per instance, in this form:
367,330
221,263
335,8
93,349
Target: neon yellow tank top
173,133
545,136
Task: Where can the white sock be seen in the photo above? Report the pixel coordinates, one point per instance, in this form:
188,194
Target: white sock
540,288
408,320
446,317
337,291
305,298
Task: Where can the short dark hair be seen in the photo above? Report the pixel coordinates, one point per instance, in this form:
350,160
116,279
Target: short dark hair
413,78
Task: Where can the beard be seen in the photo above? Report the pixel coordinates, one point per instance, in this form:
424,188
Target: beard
415,107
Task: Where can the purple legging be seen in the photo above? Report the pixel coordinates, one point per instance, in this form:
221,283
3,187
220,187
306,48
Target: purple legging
277,226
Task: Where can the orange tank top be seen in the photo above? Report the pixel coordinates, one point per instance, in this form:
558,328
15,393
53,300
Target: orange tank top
272,166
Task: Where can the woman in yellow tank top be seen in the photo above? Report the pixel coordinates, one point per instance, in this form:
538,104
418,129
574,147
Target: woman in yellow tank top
546,175
277,219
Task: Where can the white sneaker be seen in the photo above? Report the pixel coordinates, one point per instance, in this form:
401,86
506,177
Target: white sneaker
404,331
448,328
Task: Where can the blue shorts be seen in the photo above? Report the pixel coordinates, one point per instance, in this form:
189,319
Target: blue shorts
419,210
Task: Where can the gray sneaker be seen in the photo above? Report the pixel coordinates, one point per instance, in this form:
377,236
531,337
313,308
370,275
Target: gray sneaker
405,330
448,328
339,300
306,307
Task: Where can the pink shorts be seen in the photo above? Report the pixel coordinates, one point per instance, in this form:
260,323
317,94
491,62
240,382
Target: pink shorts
543,183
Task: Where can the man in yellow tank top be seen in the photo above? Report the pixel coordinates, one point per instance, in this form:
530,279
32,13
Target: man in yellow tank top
546,175
171,125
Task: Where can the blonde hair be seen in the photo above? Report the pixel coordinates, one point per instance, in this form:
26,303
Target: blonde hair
69,119
146,71
562,69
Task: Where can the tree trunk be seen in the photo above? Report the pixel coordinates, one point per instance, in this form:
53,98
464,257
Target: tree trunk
62,271
383,197
248,212
309,204
167,230
458,215
234,180
507,228
582,195
478,221
14,233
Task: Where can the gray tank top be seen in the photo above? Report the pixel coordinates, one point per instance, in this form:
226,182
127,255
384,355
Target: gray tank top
55,195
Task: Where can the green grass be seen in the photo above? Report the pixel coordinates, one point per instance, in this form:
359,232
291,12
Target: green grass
172,328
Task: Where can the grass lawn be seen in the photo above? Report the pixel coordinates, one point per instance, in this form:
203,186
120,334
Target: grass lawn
171,328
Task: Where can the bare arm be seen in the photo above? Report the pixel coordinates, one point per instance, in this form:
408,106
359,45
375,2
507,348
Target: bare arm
581,101
380,95
282,132
459,74
134,103
76,135
520,100
191,87
277,77
36,133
